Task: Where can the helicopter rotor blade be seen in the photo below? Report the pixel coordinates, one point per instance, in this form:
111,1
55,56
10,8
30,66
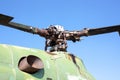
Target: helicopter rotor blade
6,20
22,27
115,28
75,35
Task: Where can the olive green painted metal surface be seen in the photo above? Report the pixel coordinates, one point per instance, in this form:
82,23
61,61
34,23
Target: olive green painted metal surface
57,65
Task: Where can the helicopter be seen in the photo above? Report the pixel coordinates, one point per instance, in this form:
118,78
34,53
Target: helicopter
53,63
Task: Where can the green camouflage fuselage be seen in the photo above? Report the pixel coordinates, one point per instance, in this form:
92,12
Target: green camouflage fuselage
57,65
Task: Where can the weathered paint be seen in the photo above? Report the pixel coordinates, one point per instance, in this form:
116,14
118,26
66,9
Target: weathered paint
57,65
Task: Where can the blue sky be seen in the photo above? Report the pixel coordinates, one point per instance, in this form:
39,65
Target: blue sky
100,53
